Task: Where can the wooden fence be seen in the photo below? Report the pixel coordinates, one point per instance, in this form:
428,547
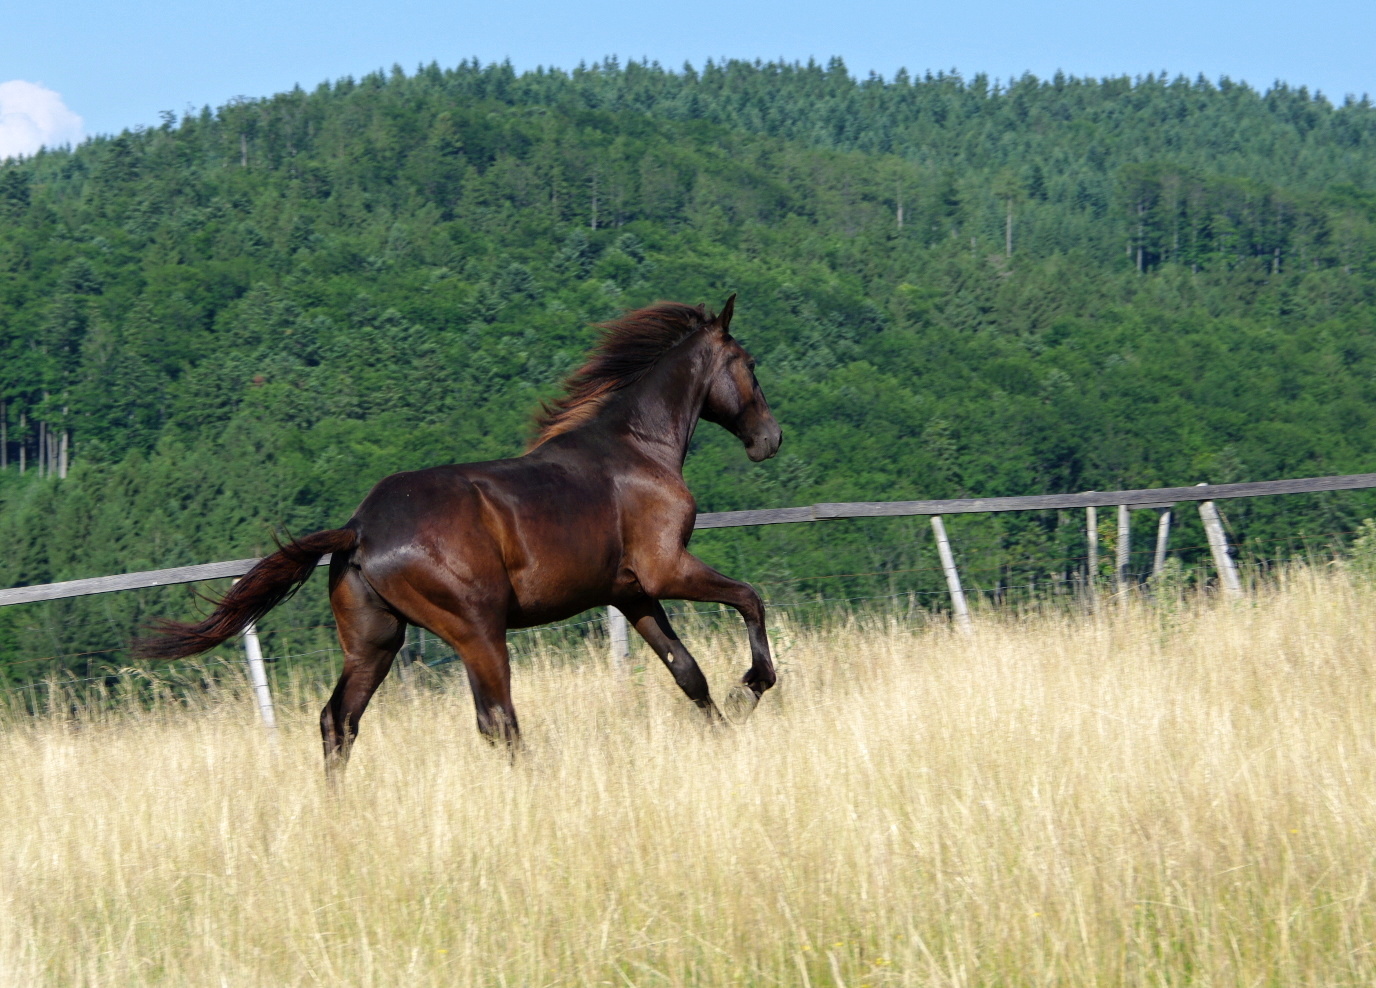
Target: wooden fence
1161,499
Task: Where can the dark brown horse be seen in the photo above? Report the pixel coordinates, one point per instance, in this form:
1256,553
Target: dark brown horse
595,513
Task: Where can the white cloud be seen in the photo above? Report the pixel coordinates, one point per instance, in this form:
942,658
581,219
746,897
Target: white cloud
32,117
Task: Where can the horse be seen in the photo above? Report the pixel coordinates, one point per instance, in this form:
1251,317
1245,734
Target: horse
596,512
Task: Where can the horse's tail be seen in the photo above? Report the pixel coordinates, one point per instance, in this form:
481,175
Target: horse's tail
272,580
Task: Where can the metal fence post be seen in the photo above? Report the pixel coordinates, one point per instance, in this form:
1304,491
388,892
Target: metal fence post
618,633
1218,545
948,566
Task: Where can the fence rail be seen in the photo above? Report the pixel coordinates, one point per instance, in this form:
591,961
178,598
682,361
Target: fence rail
1158,497
128,581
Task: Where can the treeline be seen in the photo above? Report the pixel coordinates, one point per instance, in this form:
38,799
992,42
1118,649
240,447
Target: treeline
238,320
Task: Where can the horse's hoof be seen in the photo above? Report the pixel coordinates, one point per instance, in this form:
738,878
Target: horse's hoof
740,703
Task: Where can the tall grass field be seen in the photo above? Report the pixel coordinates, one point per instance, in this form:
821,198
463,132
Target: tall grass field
1178,792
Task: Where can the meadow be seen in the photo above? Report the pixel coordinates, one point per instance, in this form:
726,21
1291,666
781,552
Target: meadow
1178,792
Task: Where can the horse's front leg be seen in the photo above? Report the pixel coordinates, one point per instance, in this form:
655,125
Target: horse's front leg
692,579
647,616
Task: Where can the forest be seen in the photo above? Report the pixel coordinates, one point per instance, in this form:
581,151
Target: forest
232,323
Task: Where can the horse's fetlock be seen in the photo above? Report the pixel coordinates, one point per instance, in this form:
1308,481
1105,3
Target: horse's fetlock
761,679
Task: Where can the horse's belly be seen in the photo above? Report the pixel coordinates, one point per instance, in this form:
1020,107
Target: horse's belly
558,586
549,612
559,596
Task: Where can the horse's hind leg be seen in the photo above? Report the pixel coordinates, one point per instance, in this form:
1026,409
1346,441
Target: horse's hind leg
371,634
489,675
481,643
652,624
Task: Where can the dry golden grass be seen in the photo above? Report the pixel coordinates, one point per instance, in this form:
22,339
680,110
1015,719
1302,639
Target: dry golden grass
1152,796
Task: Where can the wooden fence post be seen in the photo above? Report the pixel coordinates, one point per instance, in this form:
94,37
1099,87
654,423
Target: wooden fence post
406,656
258,676
618,633
1163,534
1092,547
1124,550
1218,545
948,566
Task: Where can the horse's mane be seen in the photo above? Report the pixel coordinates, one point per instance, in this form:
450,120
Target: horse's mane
626,351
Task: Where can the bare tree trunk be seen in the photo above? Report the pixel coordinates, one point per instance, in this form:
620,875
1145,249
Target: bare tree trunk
593,224
243,150
23,447
63,446
45,442
1008,232
1141,236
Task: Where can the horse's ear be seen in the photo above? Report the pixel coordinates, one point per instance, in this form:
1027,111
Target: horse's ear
724,320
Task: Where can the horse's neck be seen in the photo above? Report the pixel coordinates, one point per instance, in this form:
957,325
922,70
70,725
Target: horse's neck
659,413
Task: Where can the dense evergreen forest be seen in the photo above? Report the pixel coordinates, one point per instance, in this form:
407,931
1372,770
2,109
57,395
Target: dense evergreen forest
237,321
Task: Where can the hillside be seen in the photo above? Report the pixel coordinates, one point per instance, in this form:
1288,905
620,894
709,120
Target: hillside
239,320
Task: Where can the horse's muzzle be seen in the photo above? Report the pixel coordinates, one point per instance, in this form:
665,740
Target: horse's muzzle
763,446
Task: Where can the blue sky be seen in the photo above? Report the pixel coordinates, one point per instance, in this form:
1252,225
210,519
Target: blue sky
116,65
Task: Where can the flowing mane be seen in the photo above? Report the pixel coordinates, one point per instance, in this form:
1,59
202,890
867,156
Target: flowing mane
628,348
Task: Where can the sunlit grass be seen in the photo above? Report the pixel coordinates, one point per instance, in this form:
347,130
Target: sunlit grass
1156,795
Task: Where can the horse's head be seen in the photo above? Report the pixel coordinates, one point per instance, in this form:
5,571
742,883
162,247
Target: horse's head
734,399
